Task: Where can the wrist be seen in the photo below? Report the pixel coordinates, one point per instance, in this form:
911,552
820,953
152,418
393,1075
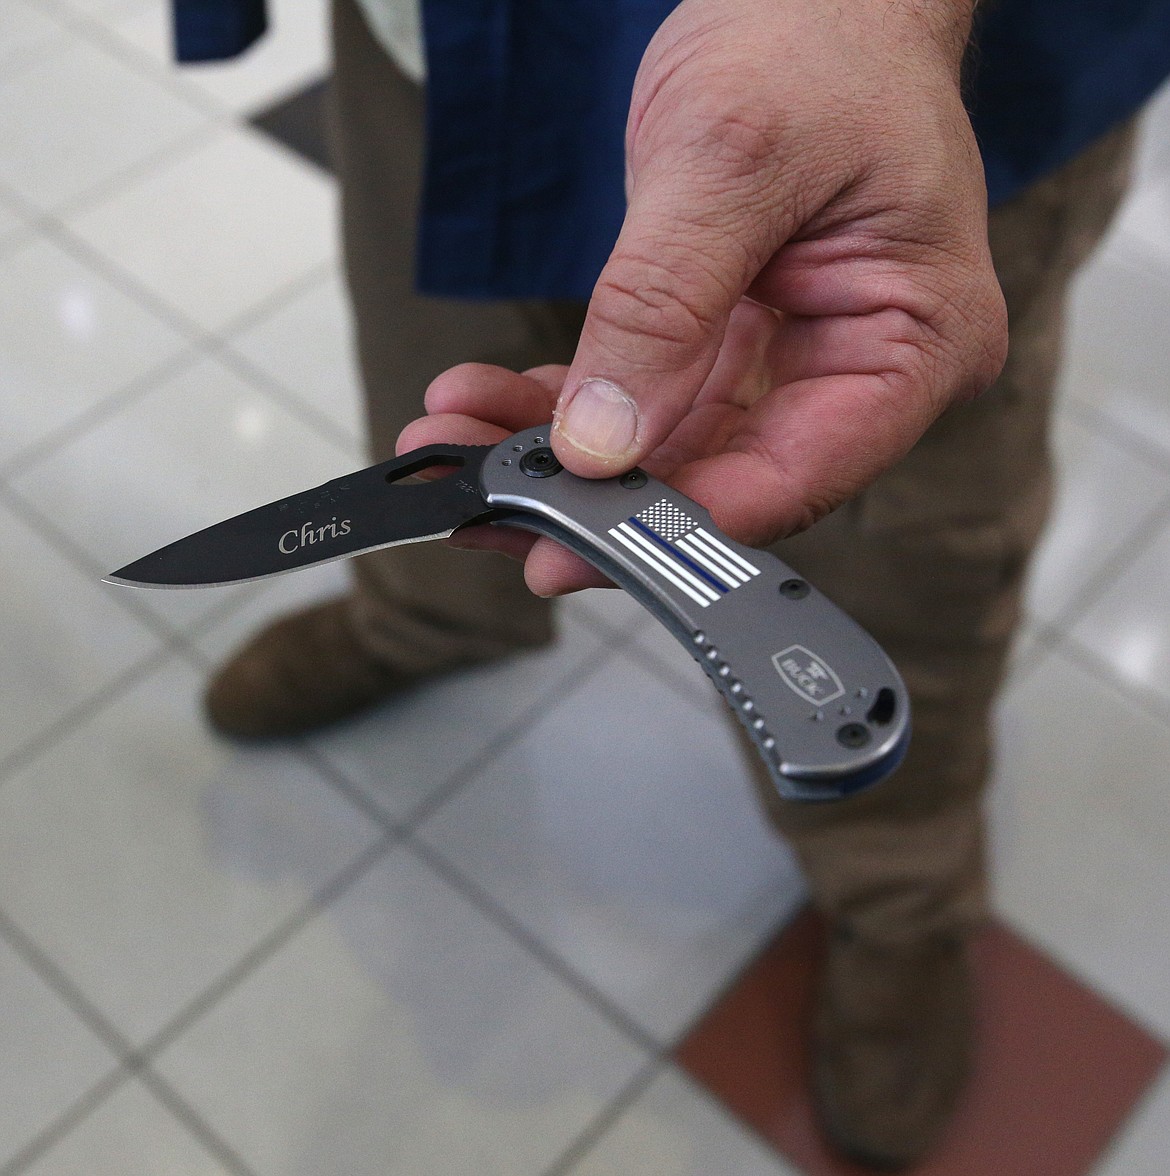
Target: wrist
946,24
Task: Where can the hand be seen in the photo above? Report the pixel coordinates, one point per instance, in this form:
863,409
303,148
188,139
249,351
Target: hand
802,283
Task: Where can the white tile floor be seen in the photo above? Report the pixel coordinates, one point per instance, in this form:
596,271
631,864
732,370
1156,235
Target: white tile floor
401,948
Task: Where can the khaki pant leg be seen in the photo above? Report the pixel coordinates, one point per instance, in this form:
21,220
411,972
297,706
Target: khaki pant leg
426,605
931,559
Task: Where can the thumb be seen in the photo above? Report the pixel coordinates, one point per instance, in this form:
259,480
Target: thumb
655,322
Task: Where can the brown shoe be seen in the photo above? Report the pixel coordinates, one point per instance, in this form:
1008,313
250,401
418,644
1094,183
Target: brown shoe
892,1045
301,673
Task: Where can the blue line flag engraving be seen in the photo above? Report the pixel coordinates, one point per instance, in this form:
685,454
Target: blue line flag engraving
673,545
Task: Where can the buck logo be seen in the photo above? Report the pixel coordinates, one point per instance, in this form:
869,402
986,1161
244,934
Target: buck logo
807,675
310,533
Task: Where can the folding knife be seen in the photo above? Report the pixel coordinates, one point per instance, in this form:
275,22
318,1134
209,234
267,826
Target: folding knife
822,703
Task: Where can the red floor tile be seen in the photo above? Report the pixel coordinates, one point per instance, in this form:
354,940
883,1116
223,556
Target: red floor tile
1058,1069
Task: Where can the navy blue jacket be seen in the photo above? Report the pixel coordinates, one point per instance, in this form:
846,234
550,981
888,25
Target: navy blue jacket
527,102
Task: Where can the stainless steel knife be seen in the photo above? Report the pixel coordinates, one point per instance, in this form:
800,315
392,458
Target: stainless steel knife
822,703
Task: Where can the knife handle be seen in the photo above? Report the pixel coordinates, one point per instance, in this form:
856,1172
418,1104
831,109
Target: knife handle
822,703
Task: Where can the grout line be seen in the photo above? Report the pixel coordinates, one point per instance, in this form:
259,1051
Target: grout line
60,729
601,1123
292,404
302,749
121,279
695,690
83,561
406,831
1127,1007
129,284
198,346
18,203
1153,702
56,979
267,307
623,639
29,216
52,1134
173,76
216,118
1044,639
136,1062
389,822
664,1057
341,783
184,145
201,342
167,76
409,832
554,695
97,414
596,619
190,634
265,949
1094,586
579,671
699,694
102,1092
488,906
766,942
170,76
176,150
189,1118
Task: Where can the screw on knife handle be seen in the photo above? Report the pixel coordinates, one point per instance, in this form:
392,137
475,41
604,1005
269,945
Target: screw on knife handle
822,703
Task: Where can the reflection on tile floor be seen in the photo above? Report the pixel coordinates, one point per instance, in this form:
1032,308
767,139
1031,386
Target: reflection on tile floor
401,1033
404,946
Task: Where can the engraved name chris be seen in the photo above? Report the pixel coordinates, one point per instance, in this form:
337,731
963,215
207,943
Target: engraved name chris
291,541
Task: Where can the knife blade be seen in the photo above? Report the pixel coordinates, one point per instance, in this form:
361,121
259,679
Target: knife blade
364,511
821,702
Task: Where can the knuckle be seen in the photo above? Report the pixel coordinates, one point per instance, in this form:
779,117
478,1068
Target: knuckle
737,140
993,335
958,344
727,144
978,349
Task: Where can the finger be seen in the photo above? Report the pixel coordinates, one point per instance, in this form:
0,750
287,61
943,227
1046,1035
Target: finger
550,569
763,349
492,394
697,232
449,429
803,450
507,541
553,570
551,376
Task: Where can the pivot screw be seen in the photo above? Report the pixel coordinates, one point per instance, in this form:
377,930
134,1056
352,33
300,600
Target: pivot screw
633,480
853,735
540,463
794,589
